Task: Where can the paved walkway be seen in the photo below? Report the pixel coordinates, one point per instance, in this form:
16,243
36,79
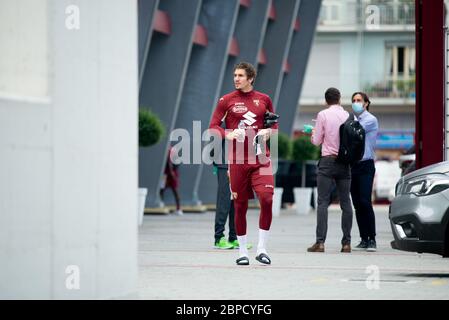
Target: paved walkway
177,261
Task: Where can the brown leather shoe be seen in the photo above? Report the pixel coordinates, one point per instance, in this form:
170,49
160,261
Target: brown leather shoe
317,247
346,248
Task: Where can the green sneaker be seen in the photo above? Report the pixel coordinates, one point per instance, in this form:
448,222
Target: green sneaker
235,245
223,244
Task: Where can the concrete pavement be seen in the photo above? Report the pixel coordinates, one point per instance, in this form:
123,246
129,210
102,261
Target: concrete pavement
177,261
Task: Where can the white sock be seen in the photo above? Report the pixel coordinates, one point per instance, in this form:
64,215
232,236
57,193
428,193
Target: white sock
243,250
263,237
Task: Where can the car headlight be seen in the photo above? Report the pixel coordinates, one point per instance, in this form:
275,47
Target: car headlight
423,185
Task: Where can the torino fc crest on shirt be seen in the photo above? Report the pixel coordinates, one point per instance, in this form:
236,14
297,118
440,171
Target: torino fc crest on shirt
256,102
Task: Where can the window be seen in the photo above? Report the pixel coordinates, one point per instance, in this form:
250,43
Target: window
330,12
400,69
401,61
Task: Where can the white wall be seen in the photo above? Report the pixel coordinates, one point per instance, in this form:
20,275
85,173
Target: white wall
68,169
24,59
323,70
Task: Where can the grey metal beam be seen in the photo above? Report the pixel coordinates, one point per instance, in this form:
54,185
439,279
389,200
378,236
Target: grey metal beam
203,84
298,57
249,31
162,85
277,45
146,12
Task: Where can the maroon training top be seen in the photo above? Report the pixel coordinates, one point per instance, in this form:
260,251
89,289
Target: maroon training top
237,106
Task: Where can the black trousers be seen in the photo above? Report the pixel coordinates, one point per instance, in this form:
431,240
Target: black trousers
225,207
362,175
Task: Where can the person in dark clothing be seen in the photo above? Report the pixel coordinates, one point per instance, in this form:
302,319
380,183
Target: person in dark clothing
171,181
224,207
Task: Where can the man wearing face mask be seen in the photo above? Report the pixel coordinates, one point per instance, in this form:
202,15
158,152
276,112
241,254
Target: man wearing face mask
362,174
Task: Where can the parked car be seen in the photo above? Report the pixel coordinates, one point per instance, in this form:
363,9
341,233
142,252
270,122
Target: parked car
387,174
419,213
407,161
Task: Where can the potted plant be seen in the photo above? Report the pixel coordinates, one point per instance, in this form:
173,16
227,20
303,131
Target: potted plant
305,153
151,131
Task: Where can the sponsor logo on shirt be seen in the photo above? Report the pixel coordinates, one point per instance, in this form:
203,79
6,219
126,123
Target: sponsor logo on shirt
239,109
269,186
249,118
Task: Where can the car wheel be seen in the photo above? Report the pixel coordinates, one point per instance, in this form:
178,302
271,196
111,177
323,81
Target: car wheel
446,242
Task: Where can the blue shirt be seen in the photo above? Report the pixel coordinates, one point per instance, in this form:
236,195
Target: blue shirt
371,126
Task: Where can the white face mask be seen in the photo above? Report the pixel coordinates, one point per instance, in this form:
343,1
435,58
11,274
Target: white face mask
357,107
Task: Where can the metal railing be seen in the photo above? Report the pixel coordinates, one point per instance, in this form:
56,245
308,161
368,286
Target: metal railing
392,89
366,12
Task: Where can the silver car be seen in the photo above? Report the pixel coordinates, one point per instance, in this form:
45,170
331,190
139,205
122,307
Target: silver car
419,213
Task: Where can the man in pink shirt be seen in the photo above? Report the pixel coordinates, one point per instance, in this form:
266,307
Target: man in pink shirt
327,134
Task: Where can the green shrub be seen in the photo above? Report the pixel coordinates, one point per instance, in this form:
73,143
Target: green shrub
284,146
304,150
151,129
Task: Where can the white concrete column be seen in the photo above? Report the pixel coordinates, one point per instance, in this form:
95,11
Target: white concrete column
68,144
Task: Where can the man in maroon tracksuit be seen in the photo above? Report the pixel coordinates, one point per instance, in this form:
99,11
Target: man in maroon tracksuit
243,111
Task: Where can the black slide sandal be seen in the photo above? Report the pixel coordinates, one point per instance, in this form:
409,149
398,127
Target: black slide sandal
263,258
242,261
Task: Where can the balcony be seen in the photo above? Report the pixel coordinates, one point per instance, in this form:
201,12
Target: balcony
366,15
398,95
396,89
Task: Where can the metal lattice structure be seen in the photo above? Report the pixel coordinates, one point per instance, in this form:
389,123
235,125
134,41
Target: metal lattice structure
187,50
